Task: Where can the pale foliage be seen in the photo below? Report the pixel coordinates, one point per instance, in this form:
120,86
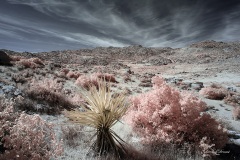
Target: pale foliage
85,81
72,74
165,114
25,136
30,63
92,80
48,84
106,76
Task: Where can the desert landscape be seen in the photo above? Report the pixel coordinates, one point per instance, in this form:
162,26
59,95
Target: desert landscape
37,91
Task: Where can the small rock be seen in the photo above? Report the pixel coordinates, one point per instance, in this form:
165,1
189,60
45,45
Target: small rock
197,86
231,89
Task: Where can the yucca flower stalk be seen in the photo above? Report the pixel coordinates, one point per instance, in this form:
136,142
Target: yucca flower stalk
102,111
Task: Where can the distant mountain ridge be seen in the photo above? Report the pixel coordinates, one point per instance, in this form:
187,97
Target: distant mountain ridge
202,52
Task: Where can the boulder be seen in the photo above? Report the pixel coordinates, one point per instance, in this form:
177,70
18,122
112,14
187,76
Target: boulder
4,59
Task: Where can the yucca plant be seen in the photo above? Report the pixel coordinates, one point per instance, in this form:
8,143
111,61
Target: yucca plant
102,111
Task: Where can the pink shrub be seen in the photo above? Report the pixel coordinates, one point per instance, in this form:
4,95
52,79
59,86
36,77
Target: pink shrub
47,83
106,76
72,74
25,136
214,92
31,137
26,63
85,81
165,114
36,61
31,63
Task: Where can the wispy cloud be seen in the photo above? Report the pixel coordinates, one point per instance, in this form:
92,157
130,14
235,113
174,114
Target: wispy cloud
121,22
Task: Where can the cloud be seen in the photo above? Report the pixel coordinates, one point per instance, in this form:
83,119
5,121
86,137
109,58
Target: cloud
92,23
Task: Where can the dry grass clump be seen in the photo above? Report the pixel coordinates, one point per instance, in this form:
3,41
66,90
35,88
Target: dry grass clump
102,111
214,91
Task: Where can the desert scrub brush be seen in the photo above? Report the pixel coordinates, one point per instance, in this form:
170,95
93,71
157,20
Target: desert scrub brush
102,111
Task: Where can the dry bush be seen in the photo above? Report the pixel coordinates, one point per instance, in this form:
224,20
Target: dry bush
54,102
48,92
25,136
32,137
105,76
214,91
30,63
85,81
26,63
72,74
92,80
47,83
36,61
165,114
232,99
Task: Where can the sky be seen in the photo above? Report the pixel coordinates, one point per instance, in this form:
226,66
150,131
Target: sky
47,25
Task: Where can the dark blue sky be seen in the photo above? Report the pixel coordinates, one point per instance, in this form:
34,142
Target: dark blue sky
44,25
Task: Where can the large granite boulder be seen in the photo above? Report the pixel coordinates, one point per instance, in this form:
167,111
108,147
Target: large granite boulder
5,59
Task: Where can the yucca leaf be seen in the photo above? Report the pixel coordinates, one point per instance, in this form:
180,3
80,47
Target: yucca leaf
102,111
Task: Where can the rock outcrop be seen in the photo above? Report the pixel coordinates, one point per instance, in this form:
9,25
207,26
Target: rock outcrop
4,59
